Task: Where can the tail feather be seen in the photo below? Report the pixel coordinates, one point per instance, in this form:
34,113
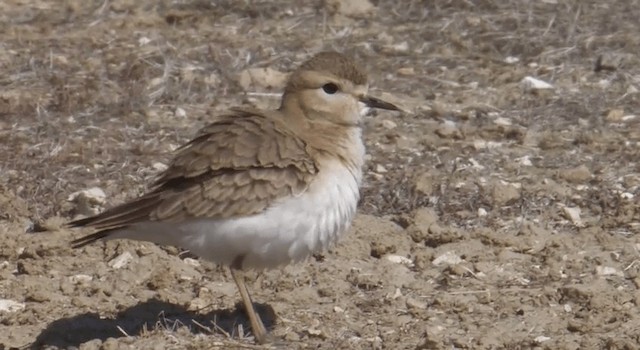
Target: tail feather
114,219
88,239
122,215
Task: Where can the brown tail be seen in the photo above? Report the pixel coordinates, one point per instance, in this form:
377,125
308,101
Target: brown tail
88,239
113,219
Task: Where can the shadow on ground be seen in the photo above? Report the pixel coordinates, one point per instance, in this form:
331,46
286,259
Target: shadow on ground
73,331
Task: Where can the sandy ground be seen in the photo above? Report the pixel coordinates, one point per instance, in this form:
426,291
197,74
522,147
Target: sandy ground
495,215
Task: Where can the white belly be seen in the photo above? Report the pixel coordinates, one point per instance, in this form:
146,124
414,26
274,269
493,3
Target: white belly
288,231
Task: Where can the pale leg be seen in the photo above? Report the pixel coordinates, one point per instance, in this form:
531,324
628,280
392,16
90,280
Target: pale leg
259,331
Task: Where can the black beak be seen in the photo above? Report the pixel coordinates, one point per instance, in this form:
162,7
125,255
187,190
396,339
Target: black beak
374,102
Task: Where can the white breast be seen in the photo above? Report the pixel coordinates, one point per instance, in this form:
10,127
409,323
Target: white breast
288,231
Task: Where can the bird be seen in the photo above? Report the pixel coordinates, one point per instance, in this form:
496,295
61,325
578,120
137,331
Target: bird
259,189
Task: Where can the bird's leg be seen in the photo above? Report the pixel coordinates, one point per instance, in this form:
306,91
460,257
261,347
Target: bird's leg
259,331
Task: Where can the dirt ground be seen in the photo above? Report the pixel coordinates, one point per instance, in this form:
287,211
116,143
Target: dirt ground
496,213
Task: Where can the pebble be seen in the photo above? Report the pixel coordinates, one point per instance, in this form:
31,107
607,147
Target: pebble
531,84
80,278
7,305
266,78
505,193
415,304
448,258
389,124
579,174
120,261
573,214
448,130
89,201
351,8
399,259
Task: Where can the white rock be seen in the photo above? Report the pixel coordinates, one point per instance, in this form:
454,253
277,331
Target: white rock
88,202
80,278
627,195
120,261
511,60
262,77
352,8
399,259
399,48
143,40
449,258
608,271
525,161
389,124
541,339
159,166
191,262
7,305
93,195
415,304
531,83
380,169
483,144
482,212
180,113
503,121
573,214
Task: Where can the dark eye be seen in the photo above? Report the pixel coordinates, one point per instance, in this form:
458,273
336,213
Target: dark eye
330,88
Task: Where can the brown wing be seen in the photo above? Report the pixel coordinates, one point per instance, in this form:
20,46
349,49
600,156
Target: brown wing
236,166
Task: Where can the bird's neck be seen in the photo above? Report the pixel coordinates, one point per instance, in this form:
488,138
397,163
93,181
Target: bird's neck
324,137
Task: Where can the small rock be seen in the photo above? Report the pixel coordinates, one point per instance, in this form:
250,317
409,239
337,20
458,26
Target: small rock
198,304
511,60
448,258
503,121
482,212
424,184
350,8
615,115
7,305
314,332
191,262
380,169
80,279
408,71
415,304
576,175
524,161
389,124
180,113
573,214
399,259
483,144
608,271
120,261
448,130
398,48
532,84
88,202
159,166
541,339
425,217
505,193
627,195
266,78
